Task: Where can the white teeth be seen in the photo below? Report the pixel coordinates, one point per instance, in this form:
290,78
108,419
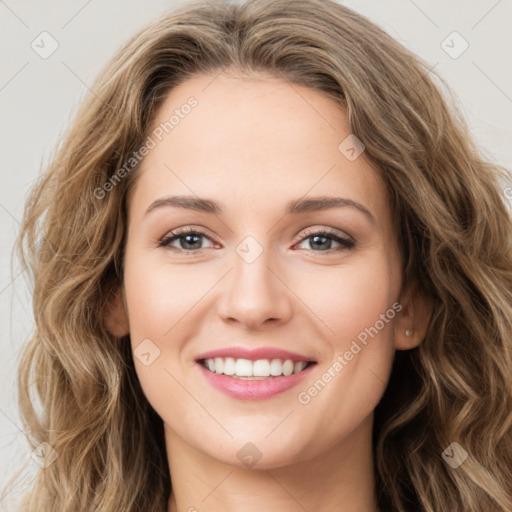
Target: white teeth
245,368
219,365
276,367
229,366
288,367
297,367
261,368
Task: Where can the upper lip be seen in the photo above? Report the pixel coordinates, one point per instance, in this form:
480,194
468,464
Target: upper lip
254,354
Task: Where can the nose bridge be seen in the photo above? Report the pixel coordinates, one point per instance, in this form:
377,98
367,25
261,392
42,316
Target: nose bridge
254,294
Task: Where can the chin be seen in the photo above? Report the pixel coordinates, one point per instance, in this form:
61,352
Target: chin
259,454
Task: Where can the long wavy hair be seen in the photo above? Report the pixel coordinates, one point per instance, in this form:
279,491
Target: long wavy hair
451,217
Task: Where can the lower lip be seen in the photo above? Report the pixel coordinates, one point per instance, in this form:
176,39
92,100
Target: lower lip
244,389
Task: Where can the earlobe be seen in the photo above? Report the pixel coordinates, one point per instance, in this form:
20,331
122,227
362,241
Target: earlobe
412,323
405,339
116,318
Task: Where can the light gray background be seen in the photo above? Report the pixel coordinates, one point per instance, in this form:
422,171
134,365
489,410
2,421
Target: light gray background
38,98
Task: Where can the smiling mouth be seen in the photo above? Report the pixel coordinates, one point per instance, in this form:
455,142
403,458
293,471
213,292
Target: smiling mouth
261,369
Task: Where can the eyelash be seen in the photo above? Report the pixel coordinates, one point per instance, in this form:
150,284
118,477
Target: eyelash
346,243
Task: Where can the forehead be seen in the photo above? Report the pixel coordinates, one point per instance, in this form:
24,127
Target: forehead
252,142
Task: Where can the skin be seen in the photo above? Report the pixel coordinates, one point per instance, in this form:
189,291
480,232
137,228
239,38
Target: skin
253,144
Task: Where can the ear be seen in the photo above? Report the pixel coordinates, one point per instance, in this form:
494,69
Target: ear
412,322
116,317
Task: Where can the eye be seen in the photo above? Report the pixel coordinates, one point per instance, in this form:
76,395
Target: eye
188,239
322,239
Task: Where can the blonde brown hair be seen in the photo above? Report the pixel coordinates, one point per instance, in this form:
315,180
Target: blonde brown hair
454,232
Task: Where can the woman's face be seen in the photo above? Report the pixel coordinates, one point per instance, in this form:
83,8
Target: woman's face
257,280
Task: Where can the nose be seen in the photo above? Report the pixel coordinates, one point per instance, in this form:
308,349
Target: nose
255,295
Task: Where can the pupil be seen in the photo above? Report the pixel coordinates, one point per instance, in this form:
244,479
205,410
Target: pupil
316,237
189,237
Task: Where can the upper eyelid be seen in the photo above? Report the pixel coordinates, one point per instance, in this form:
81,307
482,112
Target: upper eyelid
185,231
328,231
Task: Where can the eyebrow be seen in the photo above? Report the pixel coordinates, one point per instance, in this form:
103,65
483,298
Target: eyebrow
293,207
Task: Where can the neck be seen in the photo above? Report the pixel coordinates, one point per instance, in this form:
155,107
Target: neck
340,479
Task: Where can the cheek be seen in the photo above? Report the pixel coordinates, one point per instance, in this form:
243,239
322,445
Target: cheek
360,312
161,300
160,295
351,298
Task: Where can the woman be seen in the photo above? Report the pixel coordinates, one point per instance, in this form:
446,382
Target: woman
200,342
